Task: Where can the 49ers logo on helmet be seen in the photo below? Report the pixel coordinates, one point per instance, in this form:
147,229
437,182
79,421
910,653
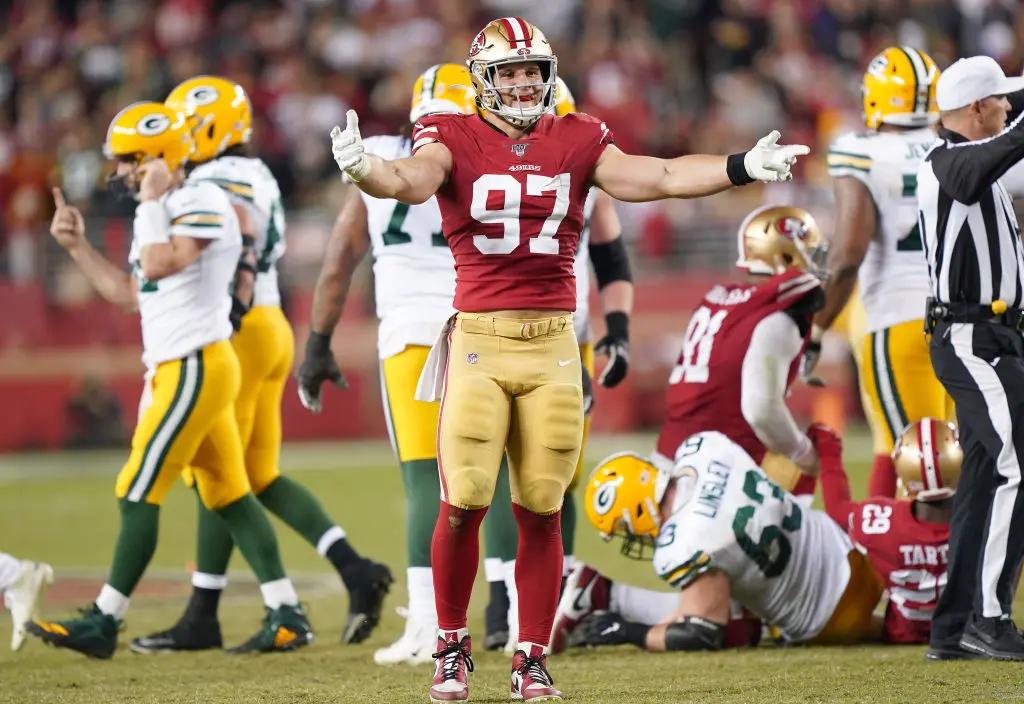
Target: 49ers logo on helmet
793,228
478,45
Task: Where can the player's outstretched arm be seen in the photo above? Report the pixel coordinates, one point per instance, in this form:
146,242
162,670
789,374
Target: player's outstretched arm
412,180
113,283
635,178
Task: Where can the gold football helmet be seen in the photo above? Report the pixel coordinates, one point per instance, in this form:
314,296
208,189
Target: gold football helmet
145,131
443,88
621,500
927,458
511,40
218,111
564,102
899,89
774,238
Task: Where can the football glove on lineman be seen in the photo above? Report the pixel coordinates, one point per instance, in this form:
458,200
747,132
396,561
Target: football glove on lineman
615,344
347,147
769,161
318,366
600,628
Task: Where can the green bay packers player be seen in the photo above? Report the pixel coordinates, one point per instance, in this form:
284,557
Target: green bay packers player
220,118
185,248
414,278
722,530
600,245
877,242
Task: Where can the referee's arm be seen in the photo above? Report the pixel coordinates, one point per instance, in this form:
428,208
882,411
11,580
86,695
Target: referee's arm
967,170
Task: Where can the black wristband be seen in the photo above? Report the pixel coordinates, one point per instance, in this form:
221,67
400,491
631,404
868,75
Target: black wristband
636,633
737,171
318,342
617,323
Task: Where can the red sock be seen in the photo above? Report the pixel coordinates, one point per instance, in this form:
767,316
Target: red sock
538,572
454,556
882,481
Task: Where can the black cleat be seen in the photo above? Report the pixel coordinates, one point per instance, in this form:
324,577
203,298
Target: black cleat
368,584
190,633
496,640
993,638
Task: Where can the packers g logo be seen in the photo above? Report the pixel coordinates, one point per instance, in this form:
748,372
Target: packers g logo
604,497
152,125
201,95
878,65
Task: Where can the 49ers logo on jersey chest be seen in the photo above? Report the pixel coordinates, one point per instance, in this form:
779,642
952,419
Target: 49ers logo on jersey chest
519,149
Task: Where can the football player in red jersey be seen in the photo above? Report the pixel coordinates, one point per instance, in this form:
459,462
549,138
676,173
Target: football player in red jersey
905,537
511,184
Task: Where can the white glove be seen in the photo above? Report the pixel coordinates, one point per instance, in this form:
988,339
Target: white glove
768,161
347,147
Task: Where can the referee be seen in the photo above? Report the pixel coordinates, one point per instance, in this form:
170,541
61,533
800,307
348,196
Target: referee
973,247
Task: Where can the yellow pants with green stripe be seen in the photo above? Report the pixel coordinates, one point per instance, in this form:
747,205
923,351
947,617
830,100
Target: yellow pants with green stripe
898,384
189,421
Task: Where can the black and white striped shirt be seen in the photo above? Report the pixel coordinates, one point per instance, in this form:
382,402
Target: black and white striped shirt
971,236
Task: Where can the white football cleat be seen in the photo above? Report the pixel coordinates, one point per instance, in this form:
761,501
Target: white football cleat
25,596
416,645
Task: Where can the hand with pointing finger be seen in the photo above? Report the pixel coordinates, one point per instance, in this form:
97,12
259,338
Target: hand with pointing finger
347,147
770,161
67,226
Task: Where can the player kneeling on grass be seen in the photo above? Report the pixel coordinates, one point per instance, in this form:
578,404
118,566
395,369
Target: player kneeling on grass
906,538
185,248
721,531
22,584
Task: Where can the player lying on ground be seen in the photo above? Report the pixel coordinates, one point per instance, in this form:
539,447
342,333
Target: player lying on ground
722,530
220,117
22,584
511,183
185,250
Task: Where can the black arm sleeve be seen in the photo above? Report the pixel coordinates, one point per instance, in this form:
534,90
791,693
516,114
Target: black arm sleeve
694,633
611,262
967,170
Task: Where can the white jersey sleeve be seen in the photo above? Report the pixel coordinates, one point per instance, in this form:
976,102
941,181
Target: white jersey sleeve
581,267
189,310
250,184
893,278
413,268
786,564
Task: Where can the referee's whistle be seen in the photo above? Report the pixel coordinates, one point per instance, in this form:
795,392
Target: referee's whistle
998,307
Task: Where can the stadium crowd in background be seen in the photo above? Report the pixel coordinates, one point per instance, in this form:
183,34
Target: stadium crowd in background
668,76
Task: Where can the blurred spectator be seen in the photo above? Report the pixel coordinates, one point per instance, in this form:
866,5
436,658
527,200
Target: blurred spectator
95,417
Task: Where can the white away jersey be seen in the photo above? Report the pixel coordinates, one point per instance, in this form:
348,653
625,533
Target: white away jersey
189,310
786,564
581,267
894,276
413,269
250,184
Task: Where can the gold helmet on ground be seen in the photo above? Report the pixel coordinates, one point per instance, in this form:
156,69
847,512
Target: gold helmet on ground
774,238
899,89
218,111
443,88
621,499
512,40
145,131
927,457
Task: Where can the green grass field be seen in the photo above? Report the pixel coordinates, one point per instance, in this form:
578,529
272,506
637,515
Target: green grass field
60,508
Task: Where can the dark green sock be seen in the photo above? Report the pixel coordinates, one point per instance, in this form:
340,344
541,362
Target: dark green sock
568,524
293,504
214,543
255,537
501,534
136,542
422,504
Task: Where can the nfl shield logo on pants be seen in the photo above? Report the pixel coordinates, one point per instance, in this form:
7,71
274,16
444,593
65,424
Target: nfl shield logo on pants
519,149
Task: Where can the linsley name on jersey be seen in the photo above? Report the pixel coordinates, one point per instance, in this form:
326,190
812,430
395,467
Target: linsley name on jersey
712,489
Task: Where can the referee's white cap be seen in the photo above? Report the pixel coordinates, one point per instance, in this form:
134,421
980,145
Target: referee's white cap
971,79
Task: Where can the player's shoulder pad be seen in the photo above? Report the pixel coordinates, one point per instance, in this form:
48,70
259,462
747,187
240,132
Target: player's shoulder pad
583,121
434,128
851,154
198,204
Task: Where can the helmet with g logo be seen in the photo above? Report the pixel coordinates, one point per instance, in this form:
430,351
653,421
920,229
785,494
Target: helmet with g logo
621,499
149,130
899,89
443,88
219,113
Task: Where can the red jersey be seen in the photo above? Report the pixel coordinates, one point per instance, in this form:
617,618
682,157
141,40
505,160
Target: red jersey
704,389
909,555
512,210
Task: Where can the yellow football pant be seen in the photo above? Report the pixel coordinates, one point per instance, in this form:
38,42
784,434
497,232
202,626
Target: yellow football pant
190,421
412,424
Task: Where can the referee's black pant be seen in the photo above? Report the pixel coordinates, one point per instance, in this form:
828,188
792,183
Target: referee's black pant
982,367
